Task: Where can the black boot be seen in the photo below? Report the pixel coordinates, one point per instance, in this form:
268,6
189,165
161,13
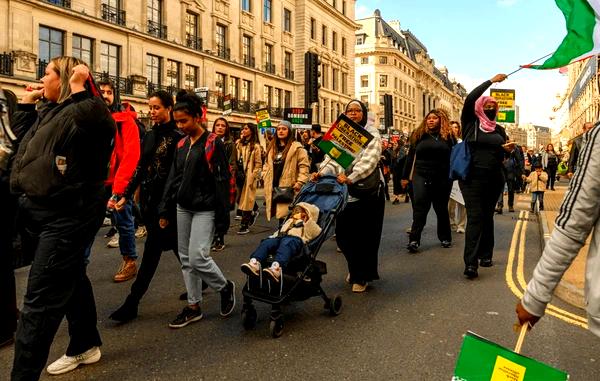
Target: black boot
128,311
532,207
541,205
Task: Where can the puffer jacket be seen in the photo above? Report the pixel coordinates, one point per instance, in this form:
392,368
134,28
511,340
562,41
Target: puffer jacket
537,183
579,216
306,231
64,156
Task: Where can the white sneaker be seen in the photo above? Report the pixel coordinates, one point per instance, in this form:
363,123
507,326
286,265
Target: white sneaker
460,230
114,241
106,222
141,232
68,363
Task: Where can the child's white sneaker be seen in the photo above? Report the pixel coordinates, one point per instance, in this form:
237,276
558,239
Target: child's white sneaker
273,272
251,268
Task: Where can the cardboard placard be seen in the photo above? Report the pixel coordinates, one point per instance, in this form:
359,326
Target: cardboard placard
344,141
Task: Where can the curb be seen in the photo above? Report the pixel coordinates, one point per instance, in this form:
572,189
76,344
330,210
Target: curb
565,290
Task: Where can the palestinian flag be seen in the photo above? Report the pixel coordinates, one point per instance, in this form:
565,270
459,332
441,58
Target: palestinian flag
583,34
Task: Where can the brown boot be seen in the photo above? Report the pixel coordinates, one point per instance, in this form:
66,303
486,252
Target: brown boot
127,270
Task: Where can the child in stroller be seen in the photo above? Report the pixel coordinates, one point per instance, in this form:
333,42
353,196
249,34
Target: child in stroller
299,228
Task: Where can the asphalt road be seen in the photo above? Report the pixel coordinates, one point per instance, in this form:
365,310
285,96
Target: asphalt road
408,326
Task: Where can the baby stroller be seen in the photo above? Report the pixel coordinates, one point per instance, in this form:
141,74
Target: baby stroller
301,278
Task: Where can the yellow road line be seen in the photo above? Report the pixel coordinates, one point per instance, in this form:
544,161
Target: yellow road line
521,227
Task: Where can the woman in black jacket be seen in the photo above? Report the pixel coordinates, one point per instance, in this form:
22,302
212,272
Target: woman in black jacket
59,170
428,165
158,149
485,182
197,185
550,164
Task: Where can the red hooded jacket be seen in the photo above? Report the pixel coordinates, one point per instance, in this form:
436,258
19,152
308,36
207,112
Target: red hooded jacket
126,154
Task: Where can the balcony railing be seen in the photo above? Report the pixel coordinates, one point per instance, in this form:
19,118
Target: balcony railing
248,61
152,87
270,68
113,15
124,85
157,29
60,3
6,64
193,42
289,74
223,52
41,68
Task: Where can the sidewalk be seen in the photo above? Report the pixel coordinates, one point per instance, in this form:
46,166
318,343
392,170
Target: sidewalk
570,288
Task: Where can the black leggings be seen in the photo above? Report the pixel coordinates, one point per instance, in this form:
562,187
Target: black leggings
427,193
551,177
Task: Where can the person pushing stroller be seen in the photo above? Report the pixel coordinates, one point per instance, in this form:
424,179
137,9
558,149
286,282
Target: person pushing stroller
299,228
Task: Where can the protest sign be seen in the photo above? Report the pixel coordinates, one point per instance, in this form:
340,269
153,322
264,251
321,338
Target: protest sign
298,117
483,360
344,141
227,105
263,119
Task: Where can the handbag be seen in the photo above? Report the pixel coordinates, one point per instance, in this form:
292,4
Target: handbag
283,195
460,160
369,186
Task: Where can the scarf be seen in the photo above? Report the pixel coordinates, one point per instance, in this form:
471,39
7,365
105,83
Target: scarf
485,124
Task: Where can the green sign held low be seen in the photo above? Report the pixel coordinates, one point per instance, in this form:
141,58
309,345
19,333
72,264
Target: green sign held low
483,360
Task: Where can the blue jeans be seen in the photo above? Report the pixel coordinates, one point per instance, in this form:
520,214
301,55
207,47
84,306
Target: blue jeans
535,196
284,248
195,232
126,228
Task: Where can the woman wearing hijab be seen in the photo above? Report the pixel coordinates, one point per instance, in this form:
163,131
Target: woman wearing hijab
428,164
359,225
286,166
485,182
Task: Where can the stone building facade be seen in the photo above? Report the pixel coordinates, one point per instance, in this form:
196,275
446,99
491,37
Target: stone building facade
249,49
390,60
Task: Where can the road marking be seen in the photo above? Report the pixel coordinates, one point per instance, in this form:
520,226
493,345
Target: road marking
521,227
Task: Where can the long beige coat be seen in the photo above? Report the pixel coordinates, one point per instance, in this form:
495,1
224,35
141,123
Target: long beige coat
295,171
252,163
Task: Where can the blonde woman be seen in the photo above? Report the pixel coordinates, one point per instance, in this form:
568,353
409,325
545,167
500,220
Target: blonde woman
60,170
247,172
285,171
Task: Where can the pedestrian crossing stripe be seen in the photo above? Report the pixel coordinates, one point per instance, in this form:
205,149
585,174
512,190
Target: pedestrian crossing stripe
519,238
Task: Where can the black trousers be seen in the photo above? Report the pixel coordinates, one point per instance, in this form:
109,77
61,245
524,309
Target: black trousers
481,193
551,177
427,193
157,241
358,234
8,299
511,186
58,284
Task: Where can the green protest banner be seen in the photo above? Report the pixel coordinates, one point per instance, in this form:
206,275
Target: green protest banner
344,141
298,117
506,116
263,119
483,360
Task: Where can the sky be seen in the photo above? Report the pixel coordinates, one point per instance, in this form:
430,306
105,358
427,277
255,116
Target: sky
477,39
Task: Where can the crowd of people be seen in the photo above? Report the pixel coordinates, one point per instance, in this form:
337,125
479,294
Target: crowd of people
186,179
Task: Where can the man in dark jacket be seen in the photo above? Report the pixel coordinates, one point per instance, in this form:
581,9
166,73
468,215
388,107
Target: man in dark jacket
576,148
513,170
315,153
123,162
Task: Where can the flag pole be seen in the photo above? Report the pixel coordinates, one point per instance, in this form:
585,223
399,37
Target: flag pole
531,63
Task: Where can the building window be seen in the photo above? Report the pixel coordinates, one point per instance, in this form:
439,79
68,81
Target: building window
268,58
364,60
220,83
246,5
276,98
153,69
287,20
360,40
287,99
247,56
344,83
383,80
234,87
109,58
154,15
112,12
343,7
313,29
324,35
325,75
383,60
51,43
246,90
267,95
364,81
221,35
334,79
334,41
344,46
267,10
191,31
191,77
334,4
173,73
287,66
365,100
83,49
